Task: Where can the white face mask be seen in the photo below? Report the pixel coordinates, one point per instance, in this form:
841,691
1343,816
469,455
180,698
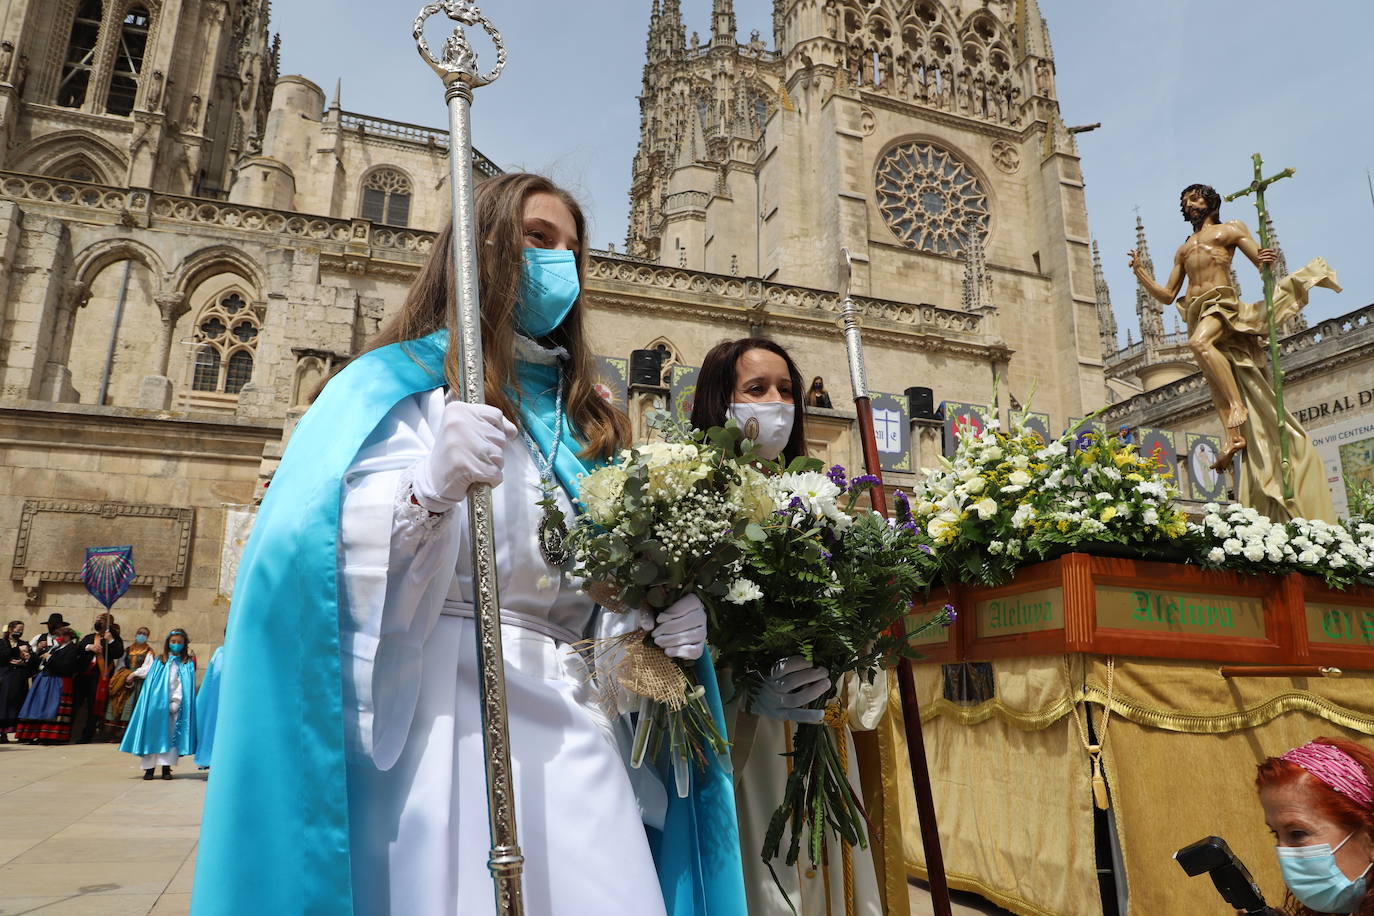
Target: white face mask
768,423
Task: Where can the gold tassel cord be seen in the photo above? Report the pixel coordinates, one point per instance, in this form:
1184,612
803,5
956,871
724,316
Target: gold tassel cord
1099,782
846,854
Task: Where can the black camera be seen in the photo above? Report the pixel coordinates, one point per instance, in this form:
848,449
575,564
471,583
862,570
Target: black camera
1228,873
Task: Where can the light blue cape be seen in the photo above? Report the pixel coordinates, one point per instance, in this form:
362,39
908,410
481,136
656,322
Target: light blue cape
207,708
147,732
274,835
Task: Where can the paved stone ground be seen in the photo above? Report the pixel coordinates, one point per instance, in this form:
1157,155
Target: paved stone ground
82,834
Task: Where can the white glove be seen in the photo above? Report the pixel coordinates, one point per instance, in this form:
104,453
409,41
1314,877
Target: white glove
470,448
789,687
680,630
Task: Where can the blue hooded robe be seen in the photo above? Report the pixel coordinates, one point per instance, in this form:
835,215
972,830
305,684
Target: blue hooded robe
279,791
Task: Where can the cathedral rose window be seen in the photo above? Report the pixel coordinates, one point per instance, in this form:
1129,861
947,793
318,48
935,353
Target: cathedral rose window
930,199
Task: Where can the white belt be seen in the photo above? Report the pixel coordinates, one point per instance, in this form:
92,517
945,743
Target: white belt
512,618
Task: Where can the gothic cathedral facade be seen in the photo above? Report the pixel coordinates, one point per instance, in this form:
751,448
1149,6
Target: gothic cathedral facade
190,242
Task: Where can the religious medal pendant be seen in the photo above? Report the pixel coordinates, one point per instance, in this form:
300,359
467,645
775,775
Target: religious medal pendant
553,537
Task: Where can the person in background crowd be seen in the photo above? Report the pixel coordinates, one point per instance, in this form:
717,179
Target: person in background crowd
207,708
16,666
1318,803
124,685
817,396
47,640
90,686
163,725
46,716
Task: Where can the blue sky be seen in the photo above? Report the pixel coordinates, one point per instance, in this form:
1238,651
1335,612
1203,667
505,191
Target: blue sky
1186,91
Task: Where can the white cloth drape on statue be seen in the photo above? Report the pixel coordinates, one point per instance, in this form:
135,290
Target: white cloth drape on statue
418,801
760,777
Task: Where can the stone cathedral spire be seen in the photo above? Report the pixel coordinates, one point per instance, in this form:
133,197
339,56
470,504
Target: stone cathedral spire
1106,320
1146,308
723,28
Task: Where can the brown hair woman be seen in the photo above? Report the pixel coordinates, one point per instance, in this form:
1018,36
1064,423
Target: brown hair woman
374,485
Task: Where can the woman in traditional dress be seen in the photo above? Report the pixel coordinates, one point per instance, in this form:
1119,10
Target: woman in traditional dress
125,683
16,667
46,716
373,485
163,725
755,382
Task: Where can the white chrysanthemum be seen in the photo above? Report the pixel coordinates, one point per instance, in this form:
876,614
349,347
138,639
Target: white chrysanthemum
817,494
1232,546
1216,555
742,591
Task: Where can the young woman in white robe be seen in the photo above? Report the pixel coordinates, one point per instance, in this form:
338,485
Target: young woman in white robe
755,382
417,794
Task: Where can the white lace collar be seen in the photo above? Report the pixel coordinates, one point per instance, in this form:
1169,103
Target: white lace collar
531,351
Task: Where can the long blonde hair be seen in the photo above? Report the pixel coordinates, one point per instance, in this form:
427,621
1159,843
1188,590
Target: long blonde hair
500,207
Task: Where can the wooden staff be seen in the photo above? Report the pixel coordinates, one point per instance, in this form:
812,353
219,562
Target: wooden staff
906,682
457,67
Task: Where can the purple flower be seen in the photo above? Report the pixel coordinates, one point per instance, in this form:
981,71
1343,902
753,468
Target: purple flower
953,615
865,481
796,504
838,477
928,549
827,556
903,505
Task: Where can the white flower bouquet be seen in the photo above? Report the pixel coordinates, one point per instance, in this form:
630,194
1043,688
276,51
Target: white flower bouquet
1006,499
826,582
661,522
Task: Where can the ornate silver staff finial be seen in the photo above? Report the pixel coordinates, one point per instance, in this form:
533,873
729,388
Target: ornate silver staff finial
458,69
459,61
851,321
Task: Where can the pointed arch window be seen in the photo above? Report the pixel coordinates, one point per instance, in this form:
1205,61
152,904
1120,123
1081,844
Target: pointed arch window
226,336
386,197
133,43
79,62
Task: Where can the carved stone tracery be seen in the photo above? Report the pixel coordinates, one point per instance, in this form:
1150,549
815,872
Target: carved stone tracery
54,534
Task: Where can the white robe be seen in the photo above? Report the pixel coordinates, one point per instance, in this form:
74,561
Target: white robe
417,790
760,778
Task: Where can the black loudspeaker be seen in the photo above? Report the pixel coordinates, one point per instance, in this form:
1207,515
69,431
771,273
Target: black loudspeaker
920,402
646,367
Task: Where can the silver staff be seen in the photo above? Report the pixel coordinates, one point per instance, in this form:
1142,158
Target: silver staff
457,67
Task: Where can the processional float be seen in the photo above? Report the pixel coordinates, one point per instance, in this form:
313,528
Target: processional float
457,66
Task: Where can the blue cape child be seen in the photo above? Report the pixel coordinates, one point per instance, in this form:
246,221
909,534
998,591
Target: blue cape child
279,786
148,731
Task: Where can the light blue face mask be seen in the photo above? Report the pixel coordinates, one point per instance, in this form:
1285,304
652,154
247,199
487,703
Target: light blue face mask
1313,876
176,648
141,638
548,289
